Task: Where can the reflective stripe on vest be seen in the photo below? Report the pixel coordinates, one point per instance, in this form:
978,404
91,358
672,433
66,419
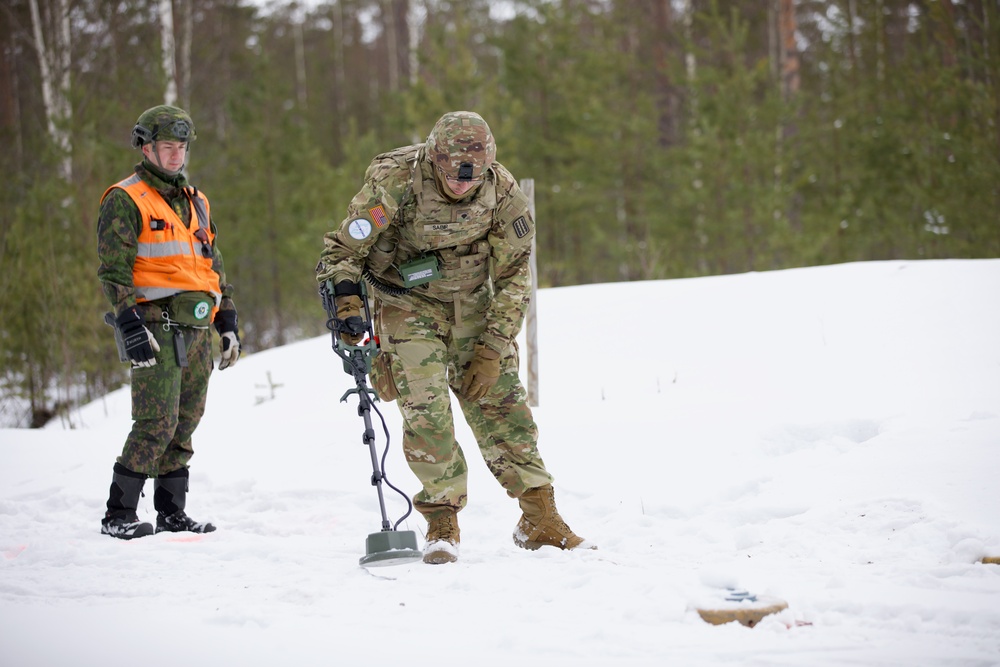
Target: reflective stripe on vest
173,259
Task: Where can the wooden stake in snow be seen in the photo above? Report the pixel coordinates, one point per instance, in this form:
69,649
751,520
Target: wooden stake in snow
531,318
739,606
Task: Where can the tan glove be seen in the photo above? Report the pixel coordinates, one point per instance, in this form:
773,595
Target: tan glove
229,347
482,374
349,306
229,338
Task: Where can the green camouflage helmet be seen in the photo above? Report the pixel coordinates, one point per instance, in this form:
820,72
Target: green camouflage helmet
461,145
163,123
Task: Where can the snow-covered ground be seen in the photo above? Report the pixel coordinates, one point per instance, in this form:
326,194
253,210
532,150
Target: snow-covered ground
829,436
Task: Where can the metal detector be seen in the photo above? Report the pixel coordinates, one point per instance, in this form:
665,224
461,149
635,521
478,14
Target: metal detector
389,546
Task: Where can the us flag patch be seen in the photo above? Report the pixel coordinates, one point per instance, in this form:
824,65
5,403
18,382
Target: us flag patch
378,216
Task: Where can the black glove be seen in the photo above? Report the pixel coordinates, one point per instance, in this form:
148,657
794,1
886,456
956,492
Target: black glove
229,344
140,345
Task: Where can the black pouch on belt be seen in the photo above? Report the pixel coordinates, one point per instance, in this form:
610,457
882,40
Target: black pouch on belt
180,349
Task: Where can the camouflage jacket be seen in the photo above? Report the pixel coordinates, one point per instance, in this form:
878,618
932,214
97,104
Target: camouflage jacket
480,244
118,225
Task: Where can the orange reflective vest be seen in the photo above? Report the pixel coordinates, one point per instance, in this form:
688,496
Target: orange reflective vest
171,257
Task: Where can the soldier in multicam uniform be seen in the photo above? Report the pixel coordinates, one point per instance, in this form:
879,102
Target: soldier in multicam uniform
443,234
163,273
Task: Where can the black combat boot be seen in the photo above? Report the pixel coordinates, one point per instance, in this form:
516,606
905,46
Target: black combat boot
169,498
121,520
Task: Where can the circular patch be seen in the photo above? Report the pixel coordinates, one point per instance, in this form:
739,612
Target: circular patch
202,309
359,228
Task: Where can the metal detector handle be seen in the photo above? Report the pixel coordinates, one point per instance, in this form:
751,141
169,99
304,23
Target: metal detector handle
357,359
328,293
109,319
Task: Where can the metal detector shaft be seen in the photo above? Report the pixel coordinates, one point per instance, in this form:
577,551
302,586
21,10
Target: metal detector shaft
388,546
364,409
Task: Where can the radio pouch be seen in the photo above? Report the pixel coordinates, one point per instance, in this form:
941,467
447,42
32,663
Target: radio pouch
420,271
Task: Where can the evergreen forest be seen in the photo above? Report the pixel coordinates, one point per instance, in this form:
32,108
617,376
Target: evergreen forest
665,138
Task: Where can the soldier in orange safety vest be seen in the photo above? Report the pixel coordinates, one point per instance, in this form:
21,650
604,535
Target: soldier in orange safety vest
162,272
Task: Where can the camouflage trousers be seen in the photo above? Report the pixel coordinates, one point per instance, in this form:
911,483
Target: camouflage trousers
168,402
429,354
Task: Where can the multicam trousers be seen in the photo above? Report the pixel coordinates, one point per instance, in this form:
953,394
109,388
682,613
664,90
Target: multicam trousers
429,354
168,402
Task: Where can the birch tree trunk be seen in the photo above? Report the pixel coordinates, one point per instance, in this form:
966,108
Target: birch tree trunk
339,74
10,103
691,70
880,40
300,64
990,52
787,25
790,81
690,61
852,41
666,97
414,13
187,36
391,43
167,39
54,62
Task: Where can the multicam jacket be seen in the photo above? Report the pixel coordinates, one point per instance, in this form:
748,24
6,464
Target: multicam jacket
482,241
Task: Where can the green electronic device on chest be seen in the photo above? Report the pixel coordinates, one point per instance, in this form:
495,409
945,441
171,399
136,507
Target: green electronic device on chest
419,271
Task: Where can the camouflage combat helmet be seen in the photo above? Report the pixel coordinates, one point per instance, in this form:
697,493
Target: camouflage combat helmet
461,145
163,123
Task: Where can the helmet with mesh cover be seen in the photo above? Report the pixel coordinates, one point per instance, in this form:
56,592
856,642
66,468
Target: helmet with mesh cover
163,123
461,145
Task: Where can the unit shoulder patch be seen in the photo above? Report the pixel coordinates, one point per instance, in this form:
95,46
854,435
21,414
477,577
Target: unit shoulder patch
519,231
359,228
521,227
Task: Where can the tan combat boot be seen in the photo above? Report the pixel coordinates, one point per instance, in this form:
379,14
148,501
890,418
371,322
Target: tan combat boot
541,525
443,537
